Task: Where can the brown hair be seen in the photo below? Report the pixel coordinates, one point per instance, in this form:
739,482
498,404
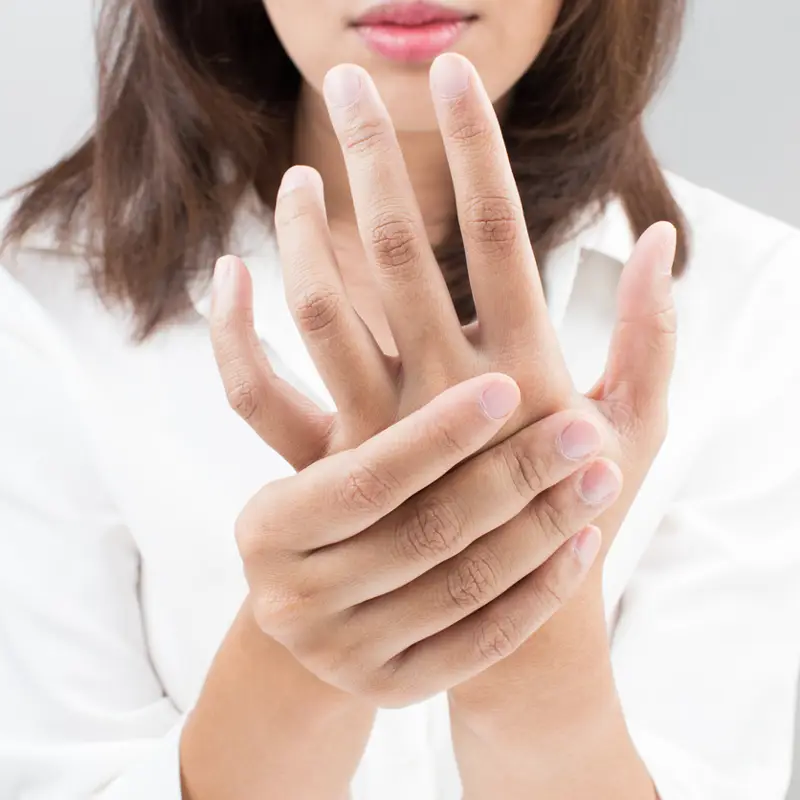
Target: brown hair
196,105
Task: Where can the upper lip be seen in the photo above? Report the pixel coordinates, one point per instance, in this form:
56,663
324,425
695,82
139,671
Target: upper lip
410,14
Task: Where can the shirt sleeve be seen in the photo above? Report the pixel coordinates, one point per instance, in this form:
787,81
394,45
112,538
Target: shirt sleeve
706,651
82,712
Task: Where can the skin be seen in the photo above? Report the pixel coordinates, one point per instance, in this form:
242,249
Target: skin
456,574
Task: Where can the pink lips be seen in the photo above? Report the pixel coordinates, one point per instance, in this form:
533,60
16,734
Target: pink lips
411,32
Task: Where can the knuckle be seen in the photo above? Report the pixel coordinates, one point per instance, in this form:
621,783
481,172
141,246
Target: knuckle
550,592
497,638
340,653
468,131
432,529
249,540
367,489
387,686
624,412
394,243
324,645
444,439
373,684
474,580
551,520
292,208
528,470
317,309
243,396
280,609
493,223
367,137
664,322
260,525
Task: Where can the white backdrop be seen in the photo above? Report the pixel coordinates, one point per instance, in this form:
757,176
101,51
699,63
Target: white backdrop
730,118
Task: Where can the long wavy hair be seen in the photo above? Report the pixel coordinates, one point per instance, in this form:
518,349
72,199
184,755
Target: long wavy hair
196,105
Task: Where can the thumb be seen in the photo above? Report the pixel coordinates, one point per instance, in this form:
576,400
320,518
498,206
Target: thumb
642,352
284,418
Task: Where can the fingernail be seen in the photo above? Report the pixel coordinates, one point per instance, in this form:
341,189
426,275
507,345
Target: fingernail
587,545
299,177
500,399
449,76
579,439
294,178
599,483
223,285
342,85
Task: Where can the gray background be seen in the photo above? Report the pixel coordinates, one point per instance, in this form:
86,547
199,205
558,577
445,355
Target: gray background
730,115
729,118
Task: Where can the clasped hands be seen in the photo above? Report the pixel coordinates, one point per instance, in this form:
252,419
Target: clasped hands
462,490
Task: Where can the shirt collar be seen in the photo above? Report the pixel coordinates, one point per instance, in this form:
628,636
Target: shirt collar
603,230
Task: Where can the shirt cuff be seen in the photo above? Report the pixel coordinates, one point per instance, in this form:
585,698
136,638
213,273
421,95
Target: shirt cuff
155,776
676,775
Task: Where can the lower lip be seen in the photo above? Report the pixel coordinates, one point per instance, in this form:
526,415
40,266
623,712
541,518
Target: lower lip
412,43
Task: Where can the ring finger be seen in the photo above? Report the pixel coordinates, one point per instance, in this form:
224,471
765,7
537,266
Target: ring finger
344,351
493,633
445,518
490,566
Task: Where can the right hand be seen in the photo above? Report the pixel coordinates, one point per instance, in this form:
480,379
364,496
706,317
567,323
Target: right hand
368,565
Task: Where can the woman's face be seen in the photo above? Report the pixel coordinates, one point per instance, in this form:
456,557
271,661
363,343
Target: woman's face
397,41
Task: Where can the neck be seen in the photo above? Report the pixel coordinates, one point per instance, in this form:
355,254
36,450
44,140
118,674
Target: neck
316,145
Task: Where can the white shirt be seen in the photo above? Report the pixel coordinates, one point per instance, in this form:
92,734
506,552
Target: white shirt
122,470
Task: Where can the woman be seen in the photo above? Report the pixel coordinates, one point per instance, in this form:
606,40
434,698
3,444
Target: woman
494,573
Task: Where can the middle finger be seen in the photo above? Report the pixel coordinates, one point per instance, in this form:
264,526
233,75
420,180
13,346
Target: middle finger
420,312
490,566
508,293
444,519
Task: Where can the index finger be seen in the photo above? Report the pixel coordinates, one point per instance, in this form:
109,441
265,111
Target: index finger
346,493
418,307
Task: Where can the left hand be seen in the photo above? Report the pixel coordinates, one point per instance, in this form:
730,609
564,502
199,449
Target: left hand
512,335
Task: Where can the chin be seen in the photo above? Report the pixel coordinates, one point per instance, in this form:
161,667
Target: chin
408,100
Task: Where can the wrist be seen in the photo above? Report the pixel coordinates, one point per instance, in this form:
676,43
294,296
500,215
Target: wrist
526,722
588,753
542,719
304,690
566,663
257,718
